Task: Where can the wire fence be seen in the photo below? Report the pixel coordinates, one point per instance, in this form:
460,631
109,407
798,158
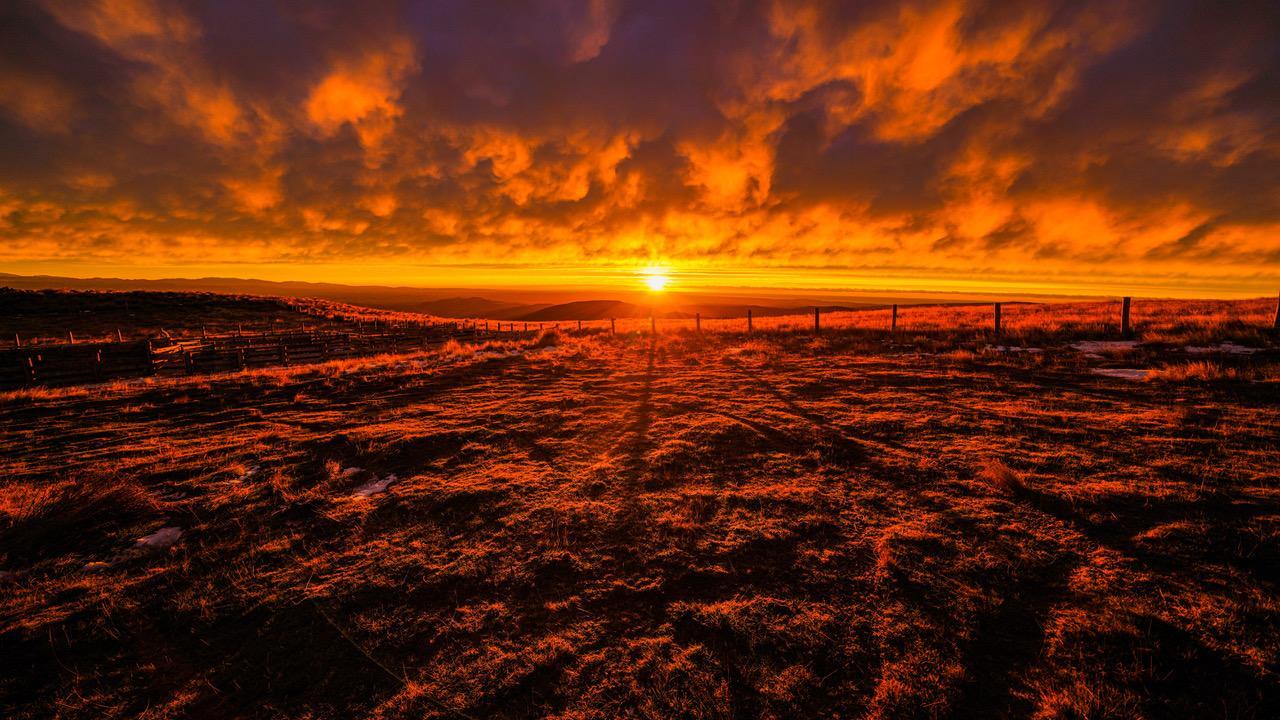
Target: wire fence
76,363
79,362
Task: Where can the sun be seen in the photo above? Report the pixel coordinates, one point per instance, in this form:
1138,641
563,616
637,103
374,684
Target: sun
656,279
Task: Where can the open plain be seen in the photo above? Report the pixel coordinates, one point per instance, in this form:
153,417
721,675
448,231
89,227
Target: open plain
688,525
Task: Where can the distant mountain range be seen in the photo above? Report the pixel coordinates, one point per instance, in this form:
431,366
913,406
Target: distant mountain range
471,307
531,305
432,301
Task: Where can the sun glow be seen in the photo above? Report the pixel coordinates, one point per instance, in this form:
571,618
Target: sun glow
656,279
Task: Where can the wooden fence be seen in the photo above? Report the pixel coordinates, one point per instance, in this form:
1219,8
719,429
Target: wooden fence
81,363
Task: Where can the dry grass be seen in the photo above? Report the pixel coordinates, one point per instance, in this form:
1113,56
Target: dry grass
43,521
1169,322
592,526
1202,371
1002,478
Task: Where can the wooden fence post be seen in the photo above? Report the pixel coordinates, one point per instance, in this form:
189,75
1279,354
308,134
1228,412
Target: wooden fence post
893,321
613,327
579,324
697,321
817,327
1276,324
653,325
1124,318
17,340
997,319
748,319
71,337
119,336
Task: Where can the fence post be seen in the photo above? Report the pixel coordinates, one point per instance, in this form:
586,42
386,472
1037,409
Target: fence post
817,327
1276,324
997,319
748,319
893,321
1124,318
119,336
17,340
653,325
612,326
697,321
71,337
579,324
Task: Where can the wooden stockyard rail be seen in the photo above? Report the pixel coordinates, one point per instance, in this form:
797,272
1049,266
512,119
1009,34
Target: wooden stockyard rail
89,362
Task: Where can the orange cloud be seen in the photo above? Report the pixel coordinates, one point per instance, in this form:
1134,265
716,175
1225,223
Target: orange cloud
1053,142
363,92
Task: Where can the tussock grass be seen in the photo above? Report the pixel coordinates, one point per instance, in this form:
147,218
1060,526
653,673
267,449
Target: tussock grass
1002,478
547,338
1198,371
38,523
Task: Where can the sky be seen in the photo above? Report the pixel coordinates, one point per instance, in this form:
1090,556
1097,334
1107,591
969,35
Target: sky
1108,147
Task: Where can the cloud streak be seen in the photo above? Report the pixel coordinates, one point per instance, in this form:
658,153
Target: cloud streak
1036,141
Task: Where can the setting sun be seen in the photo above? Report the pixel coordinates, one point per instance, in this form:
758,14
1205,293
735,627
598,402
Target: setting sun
656,280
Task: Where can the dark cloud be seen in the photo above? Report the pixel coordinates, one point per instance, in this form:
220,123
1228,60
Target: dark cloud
1045,137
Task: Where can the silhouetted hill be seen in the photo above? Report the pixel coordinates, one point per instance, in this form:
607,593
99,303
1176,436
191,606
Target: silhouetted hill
586,310
478,307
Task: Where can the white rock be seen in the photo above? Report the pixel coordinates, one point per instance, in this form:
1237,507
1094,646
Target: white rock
162,538
375,487
1122,373
1226,348
1100,346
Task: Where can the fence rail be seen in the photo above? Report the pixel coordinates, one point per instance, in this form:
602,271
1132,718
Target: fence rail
82,363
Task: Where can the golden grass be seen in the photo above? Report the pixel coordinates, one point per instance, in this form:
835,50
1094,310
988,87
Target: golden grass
1197,371
681,526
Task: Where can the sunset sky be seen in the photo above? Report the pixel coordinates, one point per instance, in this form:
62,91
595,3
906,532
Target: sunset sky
1091,147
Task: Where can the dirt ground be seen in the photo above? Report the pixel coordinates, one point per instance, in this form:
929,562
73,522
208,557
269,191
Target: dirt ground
776,526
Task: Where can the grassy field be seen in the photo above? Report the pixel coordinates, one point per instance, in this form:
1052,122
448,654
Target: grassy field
773,525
